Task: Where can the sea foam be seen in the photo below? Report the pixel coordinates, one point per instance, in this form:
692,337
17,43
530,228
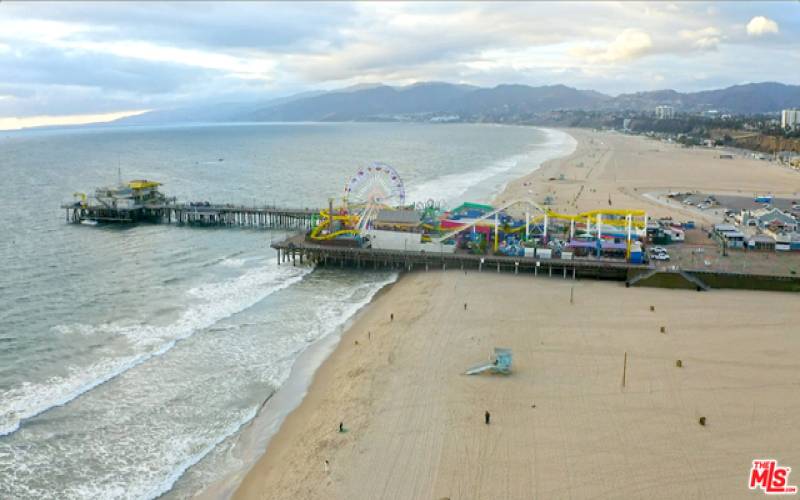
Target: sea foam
217,301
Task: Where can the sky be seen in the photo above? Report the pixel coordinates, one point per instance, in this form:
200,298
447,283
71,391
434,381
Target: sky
97,61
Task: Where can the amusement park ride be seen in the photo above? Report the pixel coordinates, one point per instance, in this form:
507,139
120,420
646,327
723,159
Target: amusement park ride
372,188
378,189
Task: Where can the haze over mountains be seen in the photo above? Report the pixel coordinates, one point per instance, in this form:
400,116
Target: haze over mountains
431,99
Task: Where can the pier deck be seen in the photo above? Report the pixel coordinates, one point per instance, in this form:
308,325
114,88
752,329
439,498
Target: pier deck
197,214
299,248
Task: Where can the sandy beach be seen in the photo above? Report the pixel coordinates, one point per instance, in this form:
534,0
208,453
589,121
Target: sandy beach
562,424
626,168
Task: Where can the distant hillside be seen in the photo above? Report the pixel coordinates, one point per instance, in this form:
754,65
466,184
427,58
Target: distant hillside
510,101
429,98
752,98
469,103
522,99
209,112
370,102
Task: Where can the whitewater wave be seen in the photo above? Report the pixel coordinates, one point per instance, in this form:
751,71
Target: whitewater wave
331,318
216,302
183,451
231,262
450,188
155,490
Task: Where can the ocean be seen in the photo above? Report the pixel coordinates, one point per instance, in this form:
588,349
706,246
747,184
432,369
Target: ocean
131,357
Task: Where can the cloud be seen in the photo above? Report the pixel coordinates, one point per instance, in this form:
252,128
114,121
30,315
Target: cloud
761,25
49,66
702,39
85,57
628,45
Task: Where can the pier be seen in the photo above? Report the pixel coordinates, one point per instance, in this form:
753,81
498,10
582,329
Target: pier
141,201
239,215
200,214
599,244
298,249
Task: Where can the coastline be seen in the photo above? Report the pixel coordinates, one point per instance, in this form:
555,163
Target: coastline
353,388
256,438
252,441
275,429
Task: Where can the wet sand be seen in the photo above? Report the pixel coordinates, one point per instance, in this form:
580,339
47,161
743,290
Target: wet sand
562,423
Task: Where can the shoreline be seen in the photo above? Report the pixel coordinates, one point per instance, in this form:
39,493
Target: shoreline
413,438
276,412
287,428
253,440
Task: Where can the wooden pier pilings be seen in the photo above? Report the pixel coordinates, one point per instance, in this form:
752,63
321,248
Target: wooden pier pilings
233,215
298,250
198,214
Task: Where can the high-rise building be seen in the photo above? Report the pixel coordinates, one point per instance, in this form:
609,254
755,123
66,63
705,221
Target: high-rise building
665,112
790,118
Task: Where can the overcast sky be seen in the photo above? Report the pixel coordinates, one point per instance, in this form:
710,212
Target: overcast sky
108,57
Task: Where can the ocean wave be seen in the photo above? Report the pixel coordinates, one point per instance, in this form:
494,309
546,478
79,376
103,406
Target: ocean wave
149,490
330,318
217,301
449,188
231,262
183,451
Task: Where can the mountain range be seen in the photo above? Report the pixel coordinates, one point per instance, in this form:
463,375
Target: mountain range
466,102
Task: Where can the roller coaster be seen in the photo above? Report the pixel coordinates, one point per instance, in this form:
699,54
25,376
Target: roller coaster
622,218
350,220
378,188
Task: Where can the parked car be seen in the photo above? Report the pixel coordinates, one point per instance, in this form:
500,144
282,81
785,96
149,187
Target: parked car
660,256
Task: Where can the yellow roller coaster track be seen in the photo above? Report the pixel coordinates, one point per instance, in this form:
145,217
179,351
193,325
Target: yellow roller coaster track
348,219
353,220
593,213
582,217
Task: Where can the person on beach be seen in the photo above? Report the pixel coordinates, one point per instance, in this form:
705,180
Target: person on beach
487,417
391,317
465,306
341,426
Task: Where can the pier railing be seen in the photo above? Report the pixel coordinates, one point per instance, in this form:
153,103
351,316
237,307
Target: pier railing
202,214
299,249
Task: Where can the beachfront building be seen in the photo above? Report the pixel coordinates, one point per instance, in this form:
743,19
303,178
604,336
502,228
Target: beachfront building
790,118
407,220
761,242
768,217
729,233
785,242
665,112
401,230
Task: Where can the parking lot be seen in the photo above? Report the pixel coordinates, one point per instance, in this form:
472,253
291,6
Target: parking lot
699,251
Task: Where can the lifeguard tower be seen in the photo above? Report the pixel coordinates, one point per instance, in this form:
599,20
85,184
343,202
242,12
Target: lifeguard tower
501,363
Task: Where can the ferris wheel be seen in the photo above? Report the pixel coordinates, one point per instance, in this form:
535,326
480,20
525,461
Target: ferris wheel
375,185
